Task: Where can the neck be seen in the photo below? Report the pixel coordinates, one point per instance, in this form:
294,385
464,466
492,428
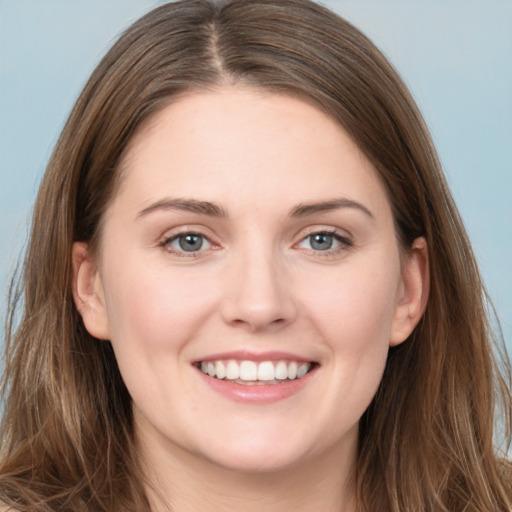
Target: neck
179,481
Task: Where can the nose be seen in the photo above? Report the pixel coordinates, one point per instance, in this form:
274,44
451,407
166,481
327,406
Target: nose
258,293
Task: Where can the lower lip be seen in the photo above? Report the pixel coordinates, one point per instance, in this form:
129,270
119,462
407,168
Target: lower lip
260,393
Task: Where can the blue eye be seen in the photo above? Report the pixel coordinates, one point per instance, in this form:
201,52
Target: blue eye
323,241
188,242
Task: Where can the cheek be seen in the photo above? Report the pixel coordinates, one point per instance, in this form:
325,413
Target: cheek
155,306
354,314
356,303
154,315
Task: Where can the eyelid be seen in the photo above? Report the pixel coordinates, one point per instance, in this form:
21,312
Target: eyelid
327,229
344,238
171,235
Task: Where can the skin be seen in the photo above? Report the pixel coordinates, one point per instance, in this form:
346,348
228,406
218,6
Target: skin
257,284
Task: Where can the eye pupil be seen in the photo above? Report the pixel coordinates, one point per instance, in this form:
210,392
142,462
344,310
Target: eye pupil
190,242
321,241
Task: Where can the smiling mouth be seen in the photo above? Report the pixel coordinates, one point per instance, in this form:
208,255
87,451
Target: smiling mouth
253,373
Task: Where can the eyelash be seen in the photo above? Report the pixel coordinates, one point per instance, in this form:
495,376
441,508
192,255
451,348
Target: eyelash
166,244
344,243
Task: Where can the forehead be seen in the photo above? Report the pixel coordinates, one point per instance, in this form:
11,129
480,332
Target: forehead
259,143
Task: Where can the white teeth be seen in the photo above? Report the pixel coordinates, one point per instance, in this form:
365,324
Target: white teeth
302,370
232,370
248,370
292,370
220,370
251,371
281,371
266,371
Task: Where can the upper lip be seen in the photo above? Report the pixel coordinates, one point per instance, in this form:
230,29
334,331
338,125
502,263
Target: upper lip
244,355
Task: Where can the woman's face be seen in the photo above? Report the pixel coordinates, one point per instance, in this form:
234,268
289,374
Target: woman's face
249,239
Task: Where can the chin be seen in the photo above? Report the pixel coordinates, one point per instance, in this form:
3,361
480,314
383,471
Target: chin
256,453
250,463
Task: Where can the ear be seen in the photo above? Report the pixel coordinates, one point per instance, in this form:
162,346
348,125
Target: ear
88,292
414,291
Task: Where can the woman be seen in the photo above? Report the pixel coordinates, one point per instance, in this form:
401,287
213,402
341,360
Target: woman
248,286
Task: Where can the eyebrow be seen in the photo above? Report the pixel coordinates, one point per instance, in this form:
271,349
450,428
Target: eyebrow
185,205
306,209
214,210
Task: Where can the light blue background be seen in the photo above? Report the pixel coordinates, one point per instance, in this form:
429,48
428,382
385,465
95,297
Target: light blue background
455,55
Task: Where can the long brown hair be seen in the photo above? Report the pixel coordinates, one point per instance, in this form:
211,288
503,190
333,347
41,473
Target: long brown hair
426,442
